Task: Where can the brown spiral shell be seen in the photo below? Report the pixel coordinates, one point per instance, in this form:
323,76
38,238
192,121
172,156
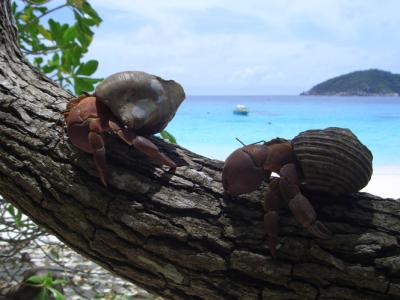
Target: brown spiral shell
333,160
143,102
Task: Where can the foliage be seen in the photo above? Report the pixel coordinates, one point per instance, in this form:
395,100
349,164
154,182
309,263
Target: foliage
16,215
56,48
48,284
16,230
359,83
168,136
19,220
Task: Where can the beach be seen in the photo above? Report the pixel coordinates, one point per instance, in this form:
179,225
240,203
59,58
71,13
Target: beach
385,183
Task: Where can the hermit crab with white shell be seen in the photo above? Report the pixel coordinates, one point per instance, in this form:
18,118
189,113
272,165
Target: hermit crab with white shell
132,105
331,160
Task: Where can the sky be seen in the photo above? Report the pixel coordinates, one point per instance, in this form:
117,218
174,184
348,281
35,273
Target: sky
252,47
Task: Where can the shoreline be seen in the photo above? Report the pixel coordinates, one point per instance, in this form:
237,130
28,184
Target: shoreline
385,182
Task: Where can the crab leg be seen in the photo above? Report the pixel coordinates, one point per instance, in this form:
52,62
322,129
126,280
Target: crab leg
125,135
301,208
99,151
272,203
147,147
141,143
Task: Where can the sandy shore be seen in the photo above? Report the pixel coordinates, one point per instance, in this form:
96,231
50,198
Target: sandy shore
385,182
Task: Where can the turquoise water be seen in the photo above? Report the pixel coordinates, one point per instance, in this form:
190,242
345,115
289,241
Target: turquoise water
207,126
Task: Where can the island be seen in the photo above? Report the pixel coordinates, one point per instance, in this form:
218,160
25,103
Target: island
371,82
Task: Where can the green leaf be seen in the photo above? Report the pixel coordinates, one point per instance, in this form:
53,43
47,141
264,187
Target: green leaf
42,9
91,12
85,40
56,294
83,84
11,210
46,34
60,41
76,55
48,280
76,3
48,69
69,34
18,218
38,2
31,28
89,22
14,8
58,282
37,279
54,27
80,24
43,295
167,136
55,61
88,68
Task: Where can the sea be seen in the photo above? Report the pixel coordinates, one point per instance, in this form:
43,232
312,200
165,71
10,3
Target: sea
206,125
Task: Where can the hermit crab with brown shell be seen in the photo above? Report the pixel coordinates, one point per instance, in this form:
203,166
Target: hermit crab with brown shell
131,104
331,160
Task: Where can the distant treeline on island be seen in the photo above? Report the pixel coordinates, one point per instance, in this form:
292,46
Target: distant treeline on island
360,83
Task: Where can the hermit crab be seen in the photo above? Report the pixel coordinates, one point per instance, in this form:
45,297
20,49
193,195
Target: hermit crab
130,104
331,161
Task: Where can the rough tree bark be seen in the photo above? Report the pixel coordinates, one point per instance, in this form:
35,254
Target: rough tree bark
173,233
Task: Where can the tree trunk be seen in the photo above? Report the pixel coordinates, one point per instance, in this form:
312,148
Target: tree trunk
173,233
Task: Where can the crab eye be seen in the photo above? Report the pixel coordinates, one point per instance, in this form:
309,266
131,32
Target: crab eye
240,175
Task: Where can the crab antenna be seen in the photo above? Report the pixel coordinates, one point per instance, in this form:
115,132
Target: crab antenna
249,144
240,141
257,142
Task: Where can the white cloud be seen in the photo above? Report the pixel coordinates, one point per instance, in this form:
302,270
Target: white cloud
277,47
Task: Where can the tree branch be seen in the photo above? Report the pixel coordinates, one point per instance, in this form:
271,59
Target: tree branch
174,233
44,14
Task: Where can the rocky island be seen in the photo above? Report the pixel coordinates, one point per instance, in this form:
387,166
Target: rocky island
371,82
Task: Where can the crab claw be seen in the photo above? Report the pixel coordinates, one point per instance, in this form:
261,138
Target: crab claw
240,175
306,216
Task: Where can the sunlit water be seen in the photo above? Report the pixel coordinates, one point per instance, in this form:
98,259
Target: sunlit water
206,124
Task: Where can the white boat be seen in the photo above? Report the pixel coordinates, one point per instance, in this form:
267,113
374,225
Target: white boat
241,110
